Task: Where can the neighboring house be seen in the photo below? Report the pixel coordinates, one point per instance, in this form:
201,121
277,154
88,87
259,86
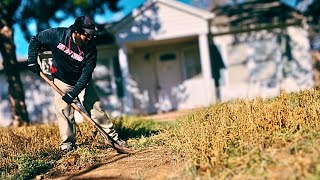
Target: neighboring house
160,58
265,48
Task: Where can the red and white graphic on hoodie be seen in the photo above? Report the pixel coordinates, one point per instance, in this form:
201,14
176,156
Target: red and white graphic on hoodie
69,52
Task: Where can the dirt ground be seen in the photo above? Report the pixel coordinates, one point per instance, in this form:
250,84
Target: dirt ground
152,163
147,164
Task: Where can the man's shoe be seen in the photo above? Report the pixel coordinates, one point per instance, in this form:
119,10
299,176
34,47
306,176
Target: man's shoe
122,143
68,148
119,145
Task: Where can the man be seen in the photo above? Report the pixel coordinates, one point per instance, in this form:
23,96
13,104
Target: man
74,57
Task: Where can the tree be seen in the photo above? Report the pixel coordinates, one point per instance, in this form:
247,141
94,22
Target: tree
313,14
21,12
7,48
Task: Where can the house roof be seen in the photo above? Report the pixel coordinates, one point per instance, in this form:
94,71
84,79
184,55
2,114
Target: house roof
256,14
171,3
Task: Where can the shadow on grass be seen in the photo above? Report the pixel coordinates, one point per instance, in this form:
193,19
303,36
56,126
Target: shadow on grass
135,127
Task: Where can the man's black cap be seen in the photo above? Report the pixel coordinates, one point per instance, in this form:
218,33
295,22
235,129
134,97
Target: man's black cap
85,23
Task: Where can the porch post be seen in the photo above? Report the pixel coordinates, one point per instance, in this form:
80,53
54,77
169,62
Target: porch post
127,98
205,64
205,56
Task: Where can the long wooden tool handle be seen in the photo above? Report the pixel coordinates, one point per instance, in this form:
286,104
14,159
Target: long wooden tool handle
84,115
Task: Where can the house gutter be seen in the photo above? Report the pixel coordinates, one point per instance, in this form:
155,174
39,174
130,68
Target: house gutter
267,27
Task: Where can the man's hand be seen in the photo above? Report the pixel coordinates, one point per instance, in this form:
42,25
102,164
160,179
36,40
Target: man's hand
68,98
34,67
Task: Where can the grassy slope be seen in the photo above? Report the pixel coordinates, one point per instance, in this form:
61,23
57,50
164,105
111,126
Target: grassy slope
277,138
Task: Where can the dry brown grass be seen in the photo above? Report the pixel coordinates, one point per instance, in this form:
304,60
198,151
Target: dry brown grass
28,151
25,141
35,145
232,139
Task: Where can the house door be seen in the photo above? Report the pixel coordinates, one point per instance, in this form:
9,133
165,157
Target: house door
168,72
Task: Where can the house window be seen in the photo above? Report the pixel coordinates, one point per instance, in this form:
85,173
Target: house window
192,66
167,57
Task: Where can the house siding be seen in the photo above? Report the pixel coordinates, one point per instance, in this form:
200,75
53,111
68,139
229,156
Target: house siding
161,22
144,86
264,63
176,23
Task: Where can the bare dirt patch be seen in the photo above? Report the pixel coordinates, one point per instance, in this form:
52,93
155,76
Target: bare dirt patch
152,163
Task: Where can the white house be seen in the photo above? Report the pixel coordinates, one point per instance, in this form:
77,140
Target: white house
169,56
164,56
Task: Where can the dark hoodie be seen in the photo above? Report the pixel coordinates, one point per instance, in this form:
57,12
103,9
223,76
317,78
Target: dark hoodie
71,64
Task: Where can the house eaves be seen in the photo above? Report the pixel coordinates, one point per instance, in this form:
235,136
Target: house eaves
188,9
203,14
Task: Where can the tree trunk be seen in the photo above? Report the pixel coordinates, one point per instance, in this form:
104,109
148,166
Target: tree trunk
15,89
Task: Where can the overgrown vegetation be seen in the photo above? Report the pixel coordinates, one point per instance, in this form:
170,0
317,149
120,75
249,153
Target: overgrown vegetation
253,139
28,151
276,138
